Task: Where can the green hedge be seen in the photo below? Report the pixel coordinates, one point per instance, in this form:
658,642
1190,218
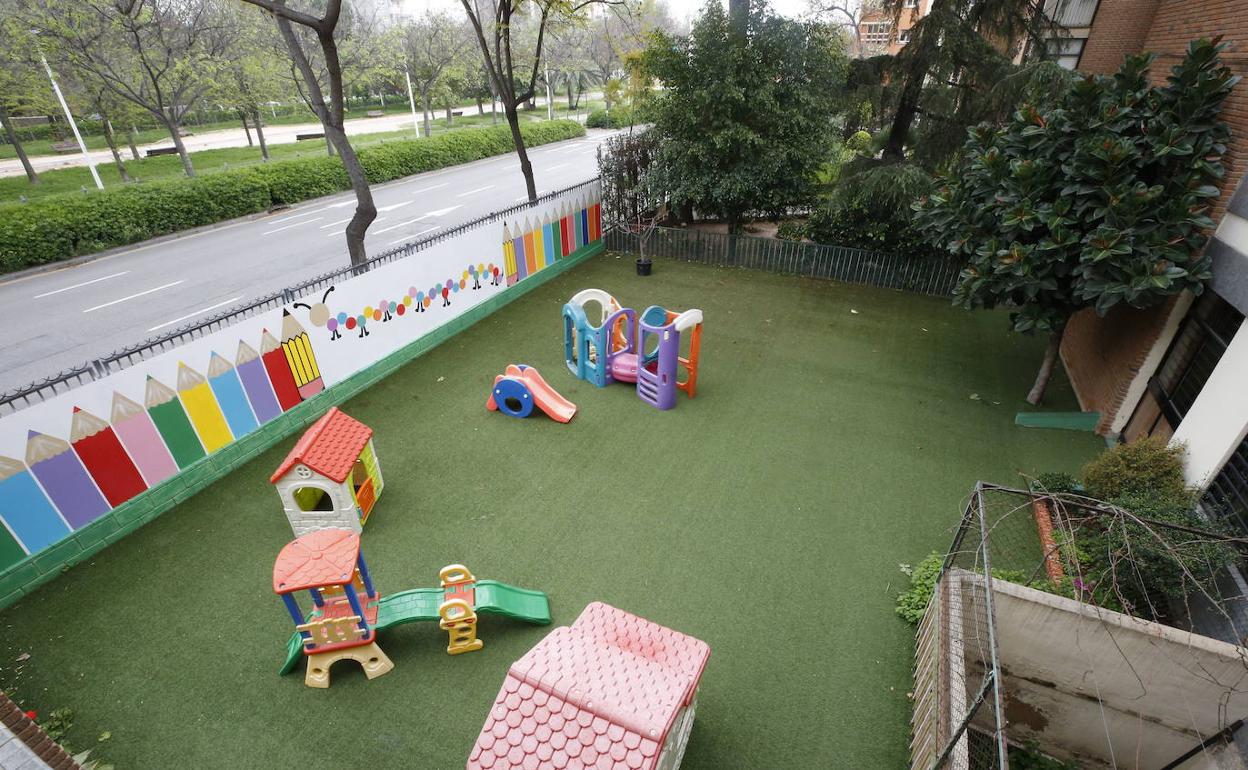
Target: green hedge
61,226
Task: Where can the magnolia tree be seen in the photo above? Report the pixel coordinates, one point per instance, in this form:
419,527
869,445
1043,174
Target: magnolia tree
1101,199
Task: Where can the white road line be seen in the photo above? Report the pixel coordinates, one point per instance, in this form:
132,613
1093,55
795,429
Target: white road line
479,189
393,206
78,285
331,224
197,312
437,213
440,212
297,224
293,216
407,238
427,189
523,198
132,296
343,230
552,168
340,205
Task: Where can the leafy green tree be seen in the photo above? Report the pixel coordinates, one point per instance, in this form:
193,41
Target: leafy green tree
17,81
1097,201
431,46
744,120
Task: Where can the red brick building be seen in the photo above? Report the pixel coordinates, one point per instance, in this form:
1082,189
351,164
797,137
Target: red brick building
1180,370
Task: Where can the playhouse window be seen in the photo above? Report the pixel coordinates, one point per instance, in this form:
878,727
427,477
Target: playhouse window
312,499
359,474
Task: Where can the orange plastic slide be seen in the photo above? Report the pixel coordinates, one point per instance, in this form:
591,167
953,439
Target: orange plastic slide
545,397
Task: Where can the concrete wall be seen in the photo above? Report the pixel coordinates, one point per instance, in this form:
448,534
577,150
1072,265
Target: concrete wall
1109,690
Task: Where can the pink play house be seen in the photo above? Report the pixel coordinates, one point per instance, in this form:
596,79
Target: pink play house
612,692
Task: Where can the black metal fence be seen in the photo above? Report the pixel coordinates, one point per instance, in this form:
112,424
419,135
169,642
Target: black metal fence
935,276
44,389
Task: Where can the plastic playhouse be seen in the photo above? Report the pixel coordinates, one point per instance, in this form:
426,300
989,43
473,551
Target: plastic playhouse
613,690
627,347
348,611
520,388
331,478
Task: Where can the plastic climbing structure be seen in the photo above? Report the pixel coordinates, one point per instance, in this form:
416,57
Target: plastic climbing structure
348,612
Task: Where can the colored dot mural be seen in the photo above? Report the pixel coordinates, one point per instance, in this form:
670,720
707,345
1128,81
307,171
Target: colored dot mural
351,323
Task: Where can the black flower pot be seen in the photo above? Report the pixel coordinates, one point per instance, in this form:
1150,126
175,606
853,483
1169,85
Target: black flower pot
643,266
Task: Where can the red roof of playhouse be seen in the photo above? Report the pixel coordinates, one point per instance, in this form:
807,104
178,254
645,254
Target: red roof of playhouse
322,558
601,694
330,447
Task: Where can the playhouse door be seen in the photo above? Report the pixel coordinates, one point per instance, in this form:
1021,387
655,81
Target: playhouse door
363,490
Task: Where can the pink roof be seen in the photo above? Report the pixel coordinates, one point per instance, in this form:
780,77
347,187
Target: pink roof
601,694
322,558
330,447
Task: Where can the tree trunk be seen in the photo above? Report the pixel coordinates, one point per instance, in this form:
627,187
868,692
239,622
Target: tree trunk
1046,367
365,209
31,176
571,104
526,168
177,142
111,139
255,119
480,106
450,115
246,128
424,104
134,148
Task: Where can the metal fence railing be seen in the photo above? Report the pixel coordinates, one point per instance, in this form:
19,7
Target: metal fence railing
935,276
41,390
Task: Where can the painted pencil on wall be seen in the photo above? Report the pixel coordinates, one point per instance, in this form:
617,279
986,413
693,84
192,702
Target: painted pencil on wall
280,377
171,421
105,458
63,477
229,392
300,356
256,383
203,409
25,508
138,434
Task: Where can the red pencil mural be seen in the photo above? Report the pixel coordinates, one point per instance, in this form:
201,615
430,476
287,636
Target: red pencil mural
105,458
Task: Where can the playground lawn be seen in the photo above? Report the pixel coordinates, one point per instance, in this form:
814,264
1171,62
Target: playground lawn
768,516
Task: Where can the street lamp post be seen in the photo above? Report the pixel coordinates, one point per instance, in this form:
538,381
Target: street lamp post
411,100
68,116
550,101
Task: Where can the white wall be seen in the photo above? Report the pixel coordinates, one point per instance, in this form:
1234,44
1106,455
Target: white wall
1218,420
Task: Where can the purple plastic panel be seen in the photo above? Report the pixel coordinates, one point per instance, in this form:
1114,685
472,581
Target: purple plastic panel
656,378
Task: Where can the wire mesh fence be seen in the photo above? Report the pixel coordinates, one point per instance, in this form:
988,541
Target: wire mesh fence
922,275
1068,630
43,389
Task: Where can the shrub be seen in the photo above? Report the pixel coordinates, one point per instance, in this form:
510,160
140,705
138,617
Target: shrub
1148,468
912,603
617,117
1055,483
791,230
598,119
859,142
870,209
61,226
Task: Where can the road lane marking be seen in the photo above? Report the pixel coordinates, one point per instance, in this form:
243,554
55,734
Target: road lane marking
479,189
132,296
440,212
561,165
393,206
79,285
525,197
344,230
427,189
297,224
331,224
197,312
437,213
407,238
293,216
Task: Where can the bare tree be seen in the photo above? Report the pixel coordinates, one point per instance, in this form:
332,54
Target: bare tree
160,55
850,14
493,22
331,113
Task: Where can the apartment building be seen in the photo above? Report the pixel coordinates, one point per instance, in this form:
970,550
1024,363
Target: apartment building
1181,370
880,33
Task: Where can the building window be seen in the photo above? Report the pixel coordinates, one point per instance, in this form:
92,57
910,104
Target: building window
877,33
1227,497
1065,51
911,4
1186,367
903,36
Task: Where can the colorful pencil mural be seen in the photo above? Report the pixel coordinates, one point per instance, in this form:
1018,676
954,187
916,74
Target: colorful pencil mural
279,371
63,485
202,407
105,458
138,434
172,423
256,383
63,477
26,510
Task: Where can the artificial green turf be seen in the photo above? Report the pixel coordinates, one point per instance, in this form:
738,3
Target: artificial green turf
767,516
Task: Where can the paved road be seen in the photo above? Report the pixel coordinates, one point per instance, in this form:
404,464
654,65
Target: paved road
235,137
59,319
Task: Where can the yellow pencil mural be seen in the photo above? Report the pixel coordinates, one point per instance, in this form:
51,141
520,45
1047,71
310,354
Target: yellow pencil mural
298,349
537,245
509,256
202,407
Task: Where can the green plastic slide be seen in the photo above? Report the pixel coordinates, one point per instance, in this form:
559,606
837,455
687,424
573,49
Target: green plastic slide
421,604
